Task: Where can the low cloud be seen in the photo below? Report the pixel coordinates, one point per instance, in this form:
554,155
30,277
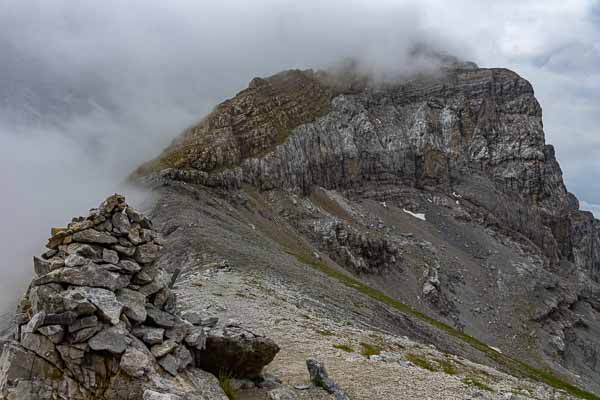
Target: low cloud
89,90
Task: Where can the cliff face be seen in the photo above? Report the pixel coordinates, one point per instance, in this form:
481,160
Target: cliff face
466,128
342,162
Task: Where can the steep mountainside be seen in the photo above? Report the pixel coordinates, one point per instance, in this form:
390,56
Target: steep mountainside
436,196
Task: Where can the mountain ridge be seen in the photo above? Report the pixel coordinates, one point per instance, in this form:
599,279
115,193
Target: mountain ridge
471,139
421,222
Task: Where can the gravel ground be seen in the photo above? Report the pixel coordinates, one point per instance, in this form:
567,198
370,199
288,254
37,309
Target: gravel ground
398,368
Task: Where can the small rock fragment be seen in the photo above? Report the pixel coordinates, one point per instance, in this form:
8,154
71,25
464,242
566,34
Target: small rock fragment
94,236
161,350
112,339
135,363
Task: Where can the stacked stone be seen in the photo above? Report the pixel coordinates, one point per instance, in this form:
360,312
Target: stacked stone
100,303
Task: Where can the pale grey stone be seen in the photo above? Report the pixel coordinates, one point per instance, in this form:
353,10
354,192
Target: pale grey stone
180,331
160,318
55,333
37,321
161,350
42,346
104,300
149,335
40,266
71,354
76,301
120,222
133,235
210,321
282,393
160,281
125,251
147,253
169,363
193,317
81,249
133,304
110,256
84,334
94,236
196,339
135,363
152,395
92,275
184,357
129,266
82,323
112,339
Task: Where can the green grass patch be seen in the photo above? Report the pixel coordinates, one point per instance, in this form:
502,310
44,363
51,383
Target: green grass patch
344,347
369,350
473,381
447,367
516,367
420,362
226,385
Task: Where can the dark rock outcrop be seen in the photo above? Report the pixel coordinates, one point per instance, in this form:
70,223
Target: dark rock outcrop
320,378
236,351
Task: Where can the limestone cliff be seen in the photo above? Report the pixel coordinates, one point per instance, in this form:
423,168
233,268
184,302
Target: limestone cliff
466,147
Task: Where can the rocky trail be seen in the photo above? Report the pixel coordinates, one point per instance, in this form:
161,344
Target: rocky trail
367,363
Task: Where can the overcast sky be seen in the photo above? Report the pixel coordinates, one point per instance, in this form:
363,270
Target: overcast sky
89,89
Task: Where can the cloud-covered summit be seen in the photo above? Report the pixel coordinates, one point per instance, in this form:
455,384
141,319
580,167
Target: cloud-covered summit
89,90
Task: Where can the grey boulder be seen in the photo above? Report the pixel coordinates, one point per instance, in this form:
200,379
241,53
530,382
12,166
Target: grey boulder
236,351
113,339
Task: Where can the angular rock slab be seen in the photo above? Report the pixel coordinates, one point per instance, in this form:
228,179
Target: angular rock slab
91,275
94,236
105,300
161,318
134,304
42,346
236,351
135,363
170,364
149,335
17,364
147,253
113,340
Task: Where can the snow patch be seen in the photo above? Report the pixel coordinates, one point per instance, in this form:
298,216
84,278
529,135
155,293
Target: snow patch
416,215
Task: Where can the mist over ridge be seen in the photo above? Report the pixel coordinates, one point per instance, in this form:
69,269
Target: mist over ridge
89,91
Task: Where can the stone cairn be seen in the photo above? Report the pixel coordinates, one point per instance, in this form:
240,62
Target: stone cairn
100,304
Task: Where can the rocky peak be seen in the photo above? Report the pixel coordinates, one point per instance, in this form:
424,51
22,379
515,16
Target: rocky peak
465,143
459,129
